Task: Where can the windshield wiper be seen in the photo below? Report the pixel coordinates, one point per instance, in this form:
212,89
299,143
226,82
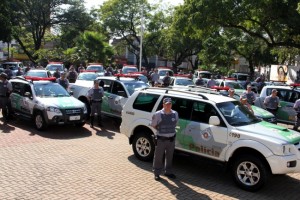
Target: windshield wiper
240,123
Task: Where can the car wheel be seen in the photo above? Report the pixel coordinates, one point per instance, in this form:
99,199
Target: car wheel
39,121
249,172
143,146
81,124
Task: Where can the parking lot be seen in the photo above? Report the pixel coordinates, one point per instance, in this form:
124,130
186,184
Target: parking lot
66,162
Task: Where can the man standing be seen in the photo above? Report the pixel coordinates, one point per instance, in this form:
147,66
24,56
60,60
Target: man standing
5,90
95,95
231,93
164,121
56,74
72,75
63,81
200,81
250,95
166,80
211,82
297,109
8,72
154,77
272,102
80,68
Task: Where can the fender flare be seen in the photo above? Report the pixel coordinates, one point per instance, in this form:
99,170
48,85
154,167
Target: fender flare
251,144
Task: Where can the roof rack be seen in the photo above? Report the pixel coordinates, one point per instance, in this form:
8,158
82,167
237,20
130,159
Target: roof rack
174,90
202,89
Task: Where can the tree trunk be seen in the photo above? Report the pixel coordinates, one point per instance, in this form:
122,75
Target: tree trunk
251,67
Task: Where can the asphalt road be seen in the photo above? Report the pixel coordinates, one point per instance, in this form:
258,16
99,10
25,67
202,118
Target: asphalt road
66,162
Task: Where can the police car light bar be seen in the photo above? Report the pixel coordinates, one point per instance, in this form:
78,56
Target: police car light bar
220,88
33,78
88,71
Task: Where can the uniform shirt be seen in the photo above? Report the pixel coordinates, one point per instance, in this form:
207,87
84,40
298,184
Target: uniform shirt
156,119
250,96
5,88
91,93
154,77
297,105
271,102
64,83
211,83
199,82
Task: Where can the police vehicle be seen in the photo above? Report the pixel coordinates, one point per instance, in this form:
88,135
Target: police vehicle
45,102
218,128
117,89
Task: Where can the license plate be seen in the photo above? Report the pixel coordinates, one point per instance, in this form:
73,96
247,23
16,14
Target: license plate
77,117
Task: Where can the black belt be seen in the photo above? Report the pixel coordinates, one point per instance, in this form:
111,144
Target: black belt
165,138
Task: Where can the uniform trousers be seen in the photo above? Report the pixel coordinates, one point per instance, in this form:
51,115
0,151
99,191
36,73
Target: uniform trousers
4,105
96,108
163,156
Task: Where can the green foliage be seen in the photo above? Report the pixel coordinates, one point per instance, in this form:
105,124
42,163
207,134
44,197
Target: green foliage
5,21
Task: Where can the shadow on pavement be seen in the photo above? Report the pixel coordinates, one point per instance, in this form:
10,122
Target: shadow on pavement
54,131
5,127
206,174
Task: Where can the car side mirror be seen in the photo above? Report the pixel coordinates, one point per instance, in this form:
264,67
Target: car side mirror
214,120
71,93
28,94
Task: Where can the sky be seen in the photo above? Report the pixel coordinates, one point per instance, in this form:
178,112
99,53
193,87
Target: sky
90,3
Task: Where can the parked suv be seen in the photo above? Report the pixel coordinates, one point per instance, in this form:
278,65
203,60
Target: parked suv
216,127
45,102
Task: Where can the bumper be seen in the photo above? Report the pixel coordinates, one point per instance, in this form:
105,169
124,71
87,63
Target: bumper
67,119
284,164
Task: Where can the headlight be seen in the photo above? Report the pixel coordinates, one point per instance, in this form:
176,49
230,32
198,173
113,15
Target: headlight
84,109
287,149
53,109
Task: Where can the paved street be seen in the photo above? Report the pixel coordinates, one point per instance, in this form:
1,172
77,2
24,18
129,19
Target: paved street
71,163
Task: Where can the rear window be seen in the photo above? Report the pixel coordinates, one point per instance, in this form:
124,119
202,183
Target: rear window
145,102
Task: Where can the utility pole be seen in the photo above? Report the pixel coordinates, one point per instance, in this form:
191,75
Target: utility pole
141,40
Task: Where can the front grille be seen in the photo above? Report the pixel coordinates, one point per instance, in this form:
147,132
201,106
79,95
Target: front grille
73,111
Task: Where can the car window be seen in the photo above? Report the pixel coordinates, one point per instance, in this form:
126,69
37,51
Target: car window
107,85
145,102
284,95
50,90
118,89
182,106
202,111
27,88
17,87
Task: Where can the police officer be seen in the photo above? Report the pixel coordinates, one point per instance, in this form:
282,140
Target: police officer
164,121
63,81
72,75
166,80
8,72
95,95
56,74
5,90
272,102
250,95
297,109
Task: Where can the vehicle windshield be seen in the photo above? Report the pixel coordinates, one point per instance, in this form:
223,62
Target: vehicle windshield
242,77
205,75
37,74
134,86
11,66
95,68
87,76
163,72
237,114
50,90
54,67
184,82
234,85
129,69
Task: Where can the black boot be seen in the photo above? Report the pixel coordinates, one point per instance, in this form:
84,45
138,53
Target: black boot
92,121
100,121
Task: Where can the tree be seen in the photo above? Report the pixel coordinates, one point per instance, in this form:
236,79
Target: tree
90,47
274,22
122,19
33,18
5,21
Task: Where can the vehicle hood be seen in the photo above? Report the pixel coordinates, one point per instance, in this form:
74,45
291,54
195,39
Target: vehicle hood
259,112
61,102
272,131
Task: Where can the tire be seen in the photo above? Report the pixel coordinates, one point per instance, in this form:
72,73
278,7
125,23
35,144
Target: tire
143,146
39,121
249,172
80,124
